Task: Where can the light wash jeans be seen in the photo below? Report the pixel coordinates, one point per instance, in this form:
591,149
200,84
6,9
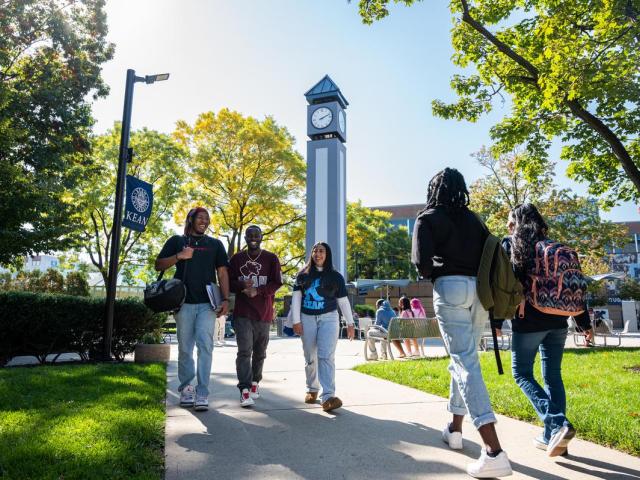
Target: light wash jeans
462,320
549,403
319,340
195,323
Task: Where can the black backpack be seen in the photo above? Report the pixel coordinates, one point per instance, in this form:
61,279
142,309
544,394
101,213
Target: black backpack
165,295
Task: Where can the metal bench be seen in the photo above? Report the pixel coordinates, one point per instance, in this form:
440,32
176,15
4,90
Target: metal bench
504,340
401,329
601,331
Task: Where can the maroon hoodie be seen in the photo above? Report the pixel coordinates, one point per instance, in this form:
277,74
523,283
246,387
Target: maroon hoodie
264,271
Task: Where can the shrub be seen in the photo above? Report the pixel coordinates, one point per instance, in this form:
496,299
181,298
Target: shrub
51,281
76,284
6,281
365,310
41,324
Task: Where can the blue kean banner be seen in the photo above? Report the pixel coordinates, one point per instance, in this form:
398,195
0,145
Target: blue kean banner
138,205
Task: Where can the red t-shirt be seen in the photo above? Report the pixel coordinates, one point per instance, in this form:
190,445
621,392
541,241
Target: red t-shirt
264,271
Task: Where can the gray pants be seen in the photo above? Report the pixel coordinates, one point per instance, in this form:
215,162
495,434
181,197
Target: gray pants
252,337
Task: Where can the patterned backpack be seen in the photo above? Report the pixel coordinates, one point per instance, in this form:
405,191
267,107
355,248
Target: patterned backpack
557,284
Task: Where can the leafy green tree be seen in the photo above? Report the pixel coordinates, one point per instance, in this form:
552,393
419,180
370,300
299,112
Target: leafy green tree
158,160
597,294
247,172
571,71
51,54
572,219
375,248
630,289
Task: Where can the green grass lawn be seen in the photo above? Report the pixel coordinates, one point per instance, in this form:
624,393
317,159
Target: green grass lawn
102,421
603,390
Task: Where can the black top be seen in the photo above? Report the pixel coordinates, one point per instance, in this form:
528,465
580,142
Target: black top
209,254
536,321
320,291
447,244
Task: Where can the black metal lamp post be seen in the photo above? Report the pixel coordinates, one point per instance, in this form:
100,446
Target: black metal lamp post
123,158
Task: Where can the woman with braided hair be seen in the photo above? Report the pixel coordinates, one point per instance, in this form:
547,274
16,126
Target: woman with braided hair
448,240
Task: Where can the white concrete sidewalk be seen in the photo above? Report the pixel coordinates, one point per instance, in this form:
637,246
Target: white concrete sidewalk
384,430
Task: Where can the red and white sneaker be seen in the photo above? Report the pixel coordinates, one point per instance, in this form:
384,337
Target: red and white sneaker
255,391
245,398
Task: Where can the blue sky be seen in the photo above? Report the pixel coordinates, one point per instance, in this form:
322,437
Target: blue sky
259,57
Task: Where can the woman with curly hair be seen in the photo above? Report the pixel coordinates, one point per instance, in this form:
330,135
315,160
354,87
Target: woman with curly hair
540,332
448,241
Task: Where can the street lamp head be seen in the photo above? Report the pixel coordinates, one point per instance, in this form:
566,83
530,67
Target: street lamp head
158,77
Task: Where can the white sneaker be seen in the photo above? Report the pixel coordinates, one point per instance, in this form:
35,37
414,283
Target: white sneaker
245,398
187,396
454,439
489,467
202,403
255,390
560,440
373,356
539,443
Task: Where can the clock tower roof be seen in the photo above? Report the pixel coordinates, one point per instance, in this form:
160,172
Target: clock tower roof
325,90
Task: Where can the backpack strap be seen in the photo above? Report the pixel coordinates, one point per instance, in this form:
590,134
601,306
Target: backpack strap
186,264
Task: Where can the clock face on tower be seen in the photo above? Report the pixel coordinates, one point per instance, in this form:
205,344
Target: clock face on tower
341,120
321,118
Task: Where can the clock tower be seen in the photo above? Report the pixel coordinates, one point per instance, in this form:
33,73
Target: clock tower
326,170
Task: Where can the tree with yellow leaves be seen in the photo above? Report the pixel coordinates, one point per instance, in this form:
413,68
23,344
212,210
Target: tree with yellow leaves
246,171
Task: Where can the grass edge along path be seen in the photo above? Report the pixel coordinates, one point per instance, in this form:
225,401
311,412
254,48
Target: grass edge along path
602,385
98,421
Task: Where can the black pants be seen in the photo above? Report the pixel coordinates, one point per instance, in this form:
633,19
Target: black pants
252,337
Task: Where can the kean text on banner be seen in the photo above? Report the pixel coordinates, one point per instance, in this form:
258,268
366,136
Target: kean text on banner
138,205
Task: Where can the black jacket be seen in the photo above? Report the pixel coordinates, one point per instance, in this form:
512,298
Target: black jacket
447,243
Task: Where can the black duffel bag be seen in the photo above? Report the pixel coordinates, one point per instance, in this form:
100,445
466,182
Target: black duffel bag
165,295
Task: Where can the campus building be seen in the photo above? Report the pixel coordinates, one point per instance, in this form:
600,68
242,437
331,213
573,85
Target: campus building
626,259
402,215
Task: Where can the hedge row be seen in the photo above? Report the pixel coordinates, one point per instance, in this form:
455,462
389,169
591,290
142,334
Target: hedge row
40,324
365,310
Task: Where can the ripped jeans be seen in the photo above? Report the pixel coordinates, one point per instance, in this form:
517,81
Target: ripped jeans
319,340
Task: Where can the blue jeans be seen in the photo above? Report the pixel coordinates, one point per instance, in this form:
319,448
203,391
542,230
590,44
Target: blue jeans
319,340
549,403
462,320
195,323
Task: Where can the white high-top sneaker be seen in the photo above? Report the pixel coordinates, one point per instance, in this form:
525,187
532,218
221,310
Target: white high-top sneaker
490,467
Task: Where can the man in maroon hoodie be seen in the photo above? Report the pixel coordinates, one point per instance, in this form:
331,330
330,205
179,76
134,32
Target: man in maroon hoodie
255,276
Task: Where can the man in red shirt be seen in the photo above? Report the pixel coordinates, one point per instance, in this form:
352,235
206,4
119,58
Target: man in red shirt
255,276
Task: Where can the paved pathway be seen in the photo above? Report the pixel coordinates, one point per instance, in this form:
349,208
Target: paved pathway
384,430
